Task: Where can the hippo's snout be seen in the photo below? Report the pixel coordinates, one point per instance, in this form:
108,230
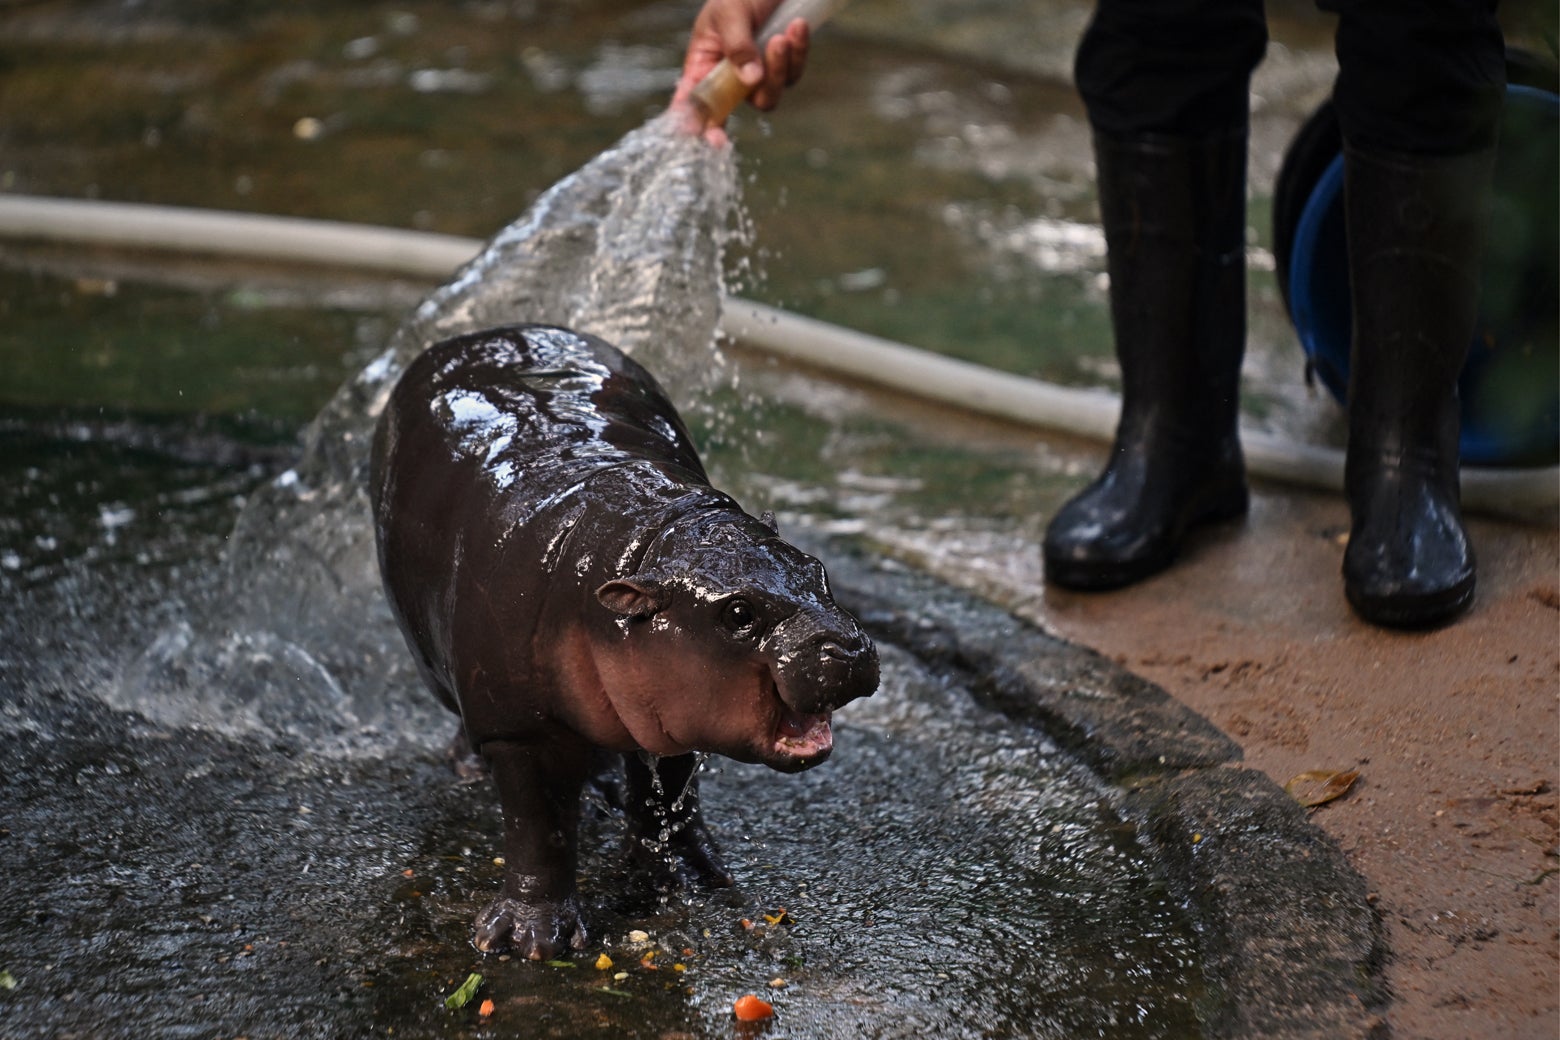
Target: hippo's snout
824,667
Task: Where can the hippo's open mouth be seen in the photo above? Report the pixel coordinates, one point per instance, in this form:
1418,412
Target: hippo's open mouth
805,738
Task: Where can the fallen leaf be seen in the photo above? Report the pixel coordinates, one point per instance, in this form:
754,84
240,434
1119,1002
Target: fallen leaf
1320,786
1536,787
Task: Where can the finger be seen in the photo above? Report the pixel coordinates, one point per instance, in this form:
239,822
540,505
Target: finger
799,34
777,64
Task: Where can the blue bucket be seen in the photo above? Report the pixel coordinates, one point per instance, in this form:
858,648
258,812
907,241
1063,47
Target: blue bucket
1510,387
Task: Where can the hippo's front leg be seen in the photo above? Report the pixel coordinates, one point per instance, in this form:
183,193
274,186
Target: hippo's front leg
667,836
538,914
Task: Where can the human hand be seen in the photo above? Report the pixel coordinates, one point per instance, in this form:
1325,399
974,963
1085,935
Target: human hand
724,30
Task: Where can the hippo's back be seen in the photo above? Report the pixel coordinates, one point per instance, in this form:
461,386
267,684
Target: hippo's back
538,407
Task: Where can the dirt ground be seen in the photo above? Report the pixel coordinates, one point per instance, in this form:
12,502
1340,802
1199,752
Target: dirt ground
1454,733
1454,820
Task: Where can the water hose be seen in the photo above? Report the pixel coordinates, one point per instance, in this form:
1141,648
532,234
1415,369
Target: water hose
1527,494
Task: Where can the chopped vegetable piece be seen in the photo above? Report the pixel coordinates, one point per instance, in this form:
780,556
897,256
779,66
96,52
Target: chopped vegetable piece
559,964
603,962
486,1009
751,1009
462,996
637,936
7,980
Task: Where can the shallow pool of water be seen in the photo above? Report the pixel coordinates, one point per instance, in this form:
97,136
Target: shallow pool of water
251,860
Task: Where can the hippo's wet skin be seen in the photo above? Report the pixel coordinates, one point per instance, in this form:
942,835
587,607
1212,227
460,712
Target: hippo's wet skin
568,581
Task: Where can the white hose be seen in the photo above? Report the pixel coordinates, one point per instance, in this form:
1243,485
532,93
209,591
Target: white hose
1531,494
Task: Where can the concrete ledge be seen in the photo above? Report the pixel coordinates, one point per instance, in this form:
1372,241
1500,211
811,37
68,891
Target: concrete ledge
1290,947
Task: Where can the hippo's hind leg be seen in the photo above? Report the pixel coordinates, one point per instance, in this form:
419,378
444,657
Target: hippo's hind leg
538,914
667,835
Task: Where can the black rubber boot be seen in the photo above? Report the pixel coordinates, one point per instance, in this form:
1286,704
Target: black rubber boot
1174,212
1416,227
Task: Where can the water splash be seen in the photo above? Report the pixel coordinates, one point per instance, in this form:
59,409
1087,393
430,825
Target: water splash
630,248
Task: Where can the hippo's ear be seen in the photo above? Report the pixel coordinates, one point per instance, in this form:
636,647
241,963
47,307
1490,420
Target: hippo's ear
633,597
767,518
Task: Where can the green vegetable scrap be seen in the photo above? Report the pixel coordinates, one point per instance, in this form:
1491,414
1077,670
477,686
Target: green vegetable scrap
468,989
7,980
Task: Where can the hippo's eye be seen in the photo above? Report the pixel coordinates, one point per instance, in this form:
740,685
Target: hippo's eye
739,617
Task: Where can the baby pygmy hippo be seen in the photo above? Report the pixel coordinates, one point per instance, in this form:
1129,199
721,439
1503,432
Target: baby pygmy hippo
569,582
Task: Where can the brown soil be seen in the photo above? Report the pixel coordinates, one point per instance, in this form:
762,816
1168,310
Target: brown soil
1454,821
1454,733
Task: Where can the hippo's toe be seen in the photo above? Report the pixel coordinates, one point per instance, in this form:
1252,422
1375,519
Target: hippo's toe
539,931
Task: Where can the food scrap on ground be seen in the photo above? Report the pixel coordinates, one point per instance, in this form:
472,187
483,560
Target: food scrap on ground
603,962
462,996
486,1009
751,1009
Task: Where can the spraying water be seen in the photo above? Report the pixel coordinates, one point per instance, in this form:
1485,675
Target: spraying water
630,248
